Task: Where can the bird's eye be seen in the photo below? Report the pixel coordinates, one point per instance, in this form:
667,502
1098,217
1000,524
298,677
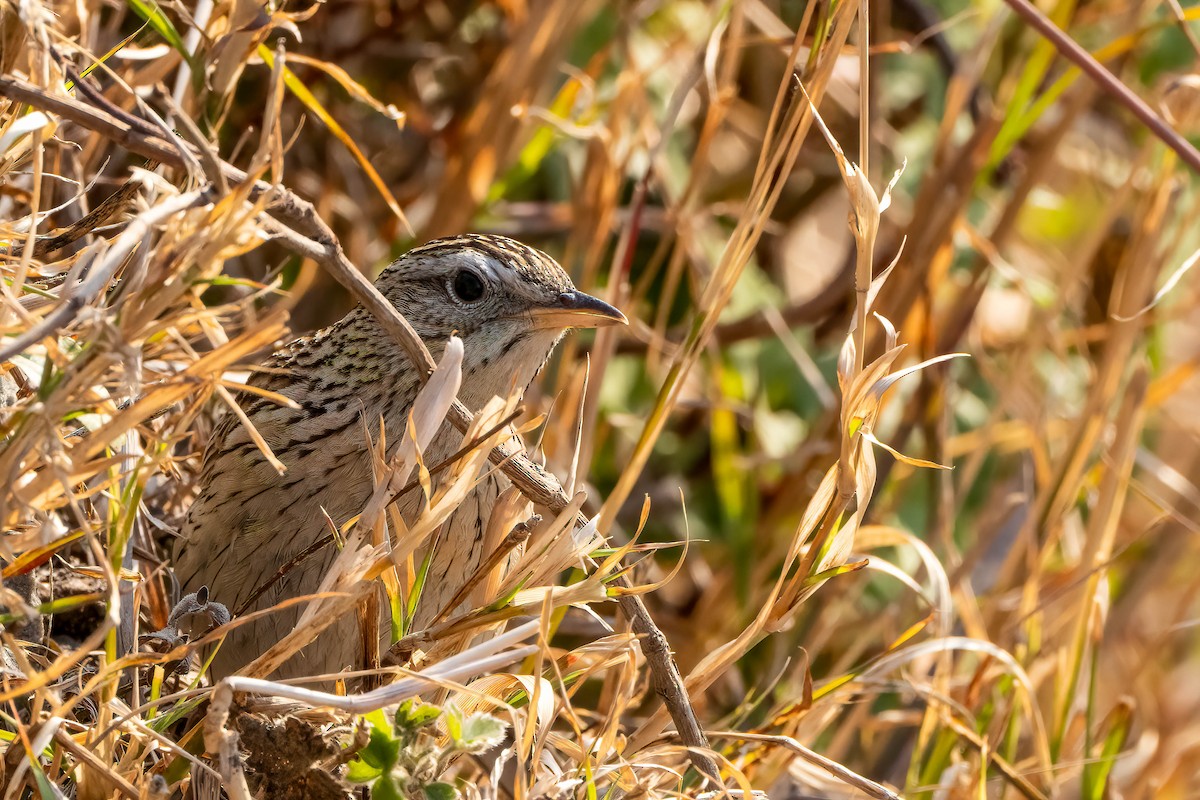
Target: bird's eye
468,286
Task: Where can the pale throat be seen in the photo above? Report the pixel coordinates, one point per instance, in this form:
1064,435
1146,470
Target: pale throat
502,365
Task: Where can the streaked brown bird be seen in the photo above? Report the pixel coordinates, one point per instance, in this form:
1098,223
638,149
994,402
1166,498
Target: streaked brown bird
509,303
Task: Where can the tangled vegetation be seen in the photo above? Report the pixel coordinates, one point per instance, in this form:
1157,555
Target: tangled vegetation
905,507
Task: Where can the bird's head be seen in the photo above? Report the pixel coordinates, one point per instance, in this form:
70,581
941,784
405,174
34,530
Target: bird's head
508,302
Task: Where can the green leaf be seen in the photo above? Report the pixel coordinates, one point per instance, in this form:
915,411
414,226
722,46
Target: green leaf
224,280
382,749
454,724
533,153
27,288
61,604
359,771
1098,772
481,732
842,569
112,51
414,594
441,791
43,783
386,789
154,15
376,719
413,715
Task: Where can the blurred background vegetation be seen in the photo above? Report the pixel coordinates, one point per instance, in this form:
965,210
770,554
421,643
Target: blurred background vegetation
1027,622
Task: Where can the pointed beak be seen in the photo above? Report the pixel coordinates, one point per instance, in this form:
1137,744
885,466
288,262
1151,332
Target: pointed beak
577,310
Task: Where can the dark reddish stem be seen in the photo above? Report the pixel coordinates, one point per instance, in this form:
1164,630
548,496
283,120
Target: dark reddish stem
1107,81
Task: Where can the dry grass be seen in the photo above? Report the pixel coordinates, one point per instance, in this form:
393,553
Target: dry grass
1022,625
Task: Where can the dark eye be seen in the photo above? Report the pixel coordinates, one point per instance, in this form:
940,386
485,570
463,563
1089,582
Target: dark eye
468,286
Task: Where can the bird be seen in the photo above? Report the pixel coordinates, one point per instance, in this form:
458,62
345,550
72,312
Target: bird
509,303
